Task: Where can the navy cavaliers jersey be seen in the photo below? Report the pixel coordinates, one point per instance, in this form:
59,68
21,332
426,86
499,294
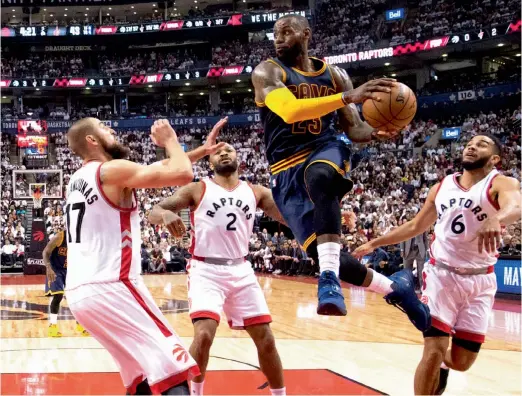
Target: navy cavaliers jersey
59,253
284,140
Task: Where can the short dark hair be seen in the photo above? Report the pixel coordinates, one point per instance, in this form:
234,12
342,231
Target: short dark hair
496,142
300,20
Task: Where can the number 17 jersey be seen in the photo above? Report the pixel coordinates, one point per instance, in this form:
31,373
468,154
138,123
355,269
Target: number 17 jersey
223,221
103,239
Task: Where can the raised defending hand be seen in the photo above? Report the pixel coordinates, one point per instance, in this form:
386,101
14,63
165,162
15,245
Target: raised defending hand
210,144
161,132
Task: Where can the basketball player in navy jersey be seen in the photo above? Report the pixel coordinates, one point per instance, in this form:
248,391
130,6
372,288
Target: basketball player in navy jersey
55,260
310,161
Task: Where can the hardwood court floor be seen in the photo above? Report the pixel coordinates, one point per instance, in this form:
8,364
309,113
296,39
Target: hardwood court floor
373,350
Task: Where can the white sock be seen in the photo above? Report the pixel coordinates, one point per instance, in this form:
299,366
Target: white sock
278,392
442,365
329,253
380,284
196,388
53,319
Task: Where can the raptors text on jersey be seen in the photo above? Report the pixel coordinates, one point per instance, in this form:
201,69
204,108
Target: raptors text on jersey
103,239
223,221
461,213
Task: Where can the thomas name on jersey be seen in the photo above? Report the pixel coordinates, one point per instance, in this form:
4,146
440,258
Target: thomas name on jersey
467,204
227,202
83,187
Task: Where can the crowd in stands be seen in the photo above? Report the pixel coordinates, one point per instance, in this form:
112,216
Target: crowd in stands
392,180
435,18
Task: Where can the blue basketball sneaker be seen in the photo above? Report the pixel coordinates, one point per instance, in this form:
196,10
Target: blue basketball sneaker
404,298
330,295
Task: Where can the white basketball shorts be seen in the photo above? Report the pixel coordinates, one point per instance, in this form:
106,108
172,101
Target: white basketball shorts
233,289
459,304
123,317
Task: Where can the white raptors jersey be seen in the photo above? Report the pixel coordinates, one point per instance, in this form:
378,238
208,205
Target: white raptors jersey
103,240
223,221
461,214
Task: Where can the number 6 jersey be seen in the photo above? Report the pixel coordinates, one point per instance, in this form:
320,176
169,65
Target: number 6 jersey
103,239
223,221
461,213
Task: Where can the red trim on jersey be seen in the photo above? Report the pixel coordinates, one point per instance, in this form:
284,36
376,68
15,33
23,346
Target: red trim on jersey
132,387
457,182
469,336
106,199
126,251
136,294
238,184
261,319
193,230
440,325
205,315
202,196
125,266
159,387
493,203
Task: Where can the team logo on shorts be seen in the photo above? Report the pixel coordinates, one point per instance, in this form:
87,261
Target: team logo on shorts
424,299
180,353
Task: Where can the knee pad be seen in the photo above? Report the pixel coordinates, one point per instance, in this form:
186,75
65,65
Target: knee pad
434,332
55,303
472,346
320,183
351,270
319,179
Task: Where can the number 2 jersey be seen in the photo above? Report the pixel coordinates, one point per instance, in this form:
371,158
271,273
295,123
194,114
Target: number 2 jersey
461,213
103,239
223,221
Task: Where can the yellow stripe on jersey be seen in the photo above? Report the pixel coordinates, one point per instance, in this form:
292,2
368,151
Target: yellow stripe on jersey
289,162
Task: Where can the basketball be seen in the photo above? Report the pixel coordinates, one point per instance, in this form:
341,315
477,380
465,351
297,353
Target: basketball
394,111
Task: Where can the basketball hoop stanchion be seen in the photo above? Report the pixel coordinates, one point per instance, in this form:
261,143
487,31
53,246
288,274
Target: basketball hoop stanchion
37,203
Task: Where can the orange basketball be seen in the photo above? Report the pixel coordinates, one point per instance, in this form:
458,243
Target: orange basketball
394,111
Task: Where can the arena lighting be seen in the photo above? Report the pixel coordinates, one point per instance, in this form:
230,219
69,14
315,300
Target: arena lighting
87,8
228,91
66,14
387,64
4,97
85,14
45,9
122,90
150,86
517,55
201,93
180,94
249,90
394,75
110,8
132,6
444,55
187,84
88,89
13,10
37,89
500,44
134,12
238,80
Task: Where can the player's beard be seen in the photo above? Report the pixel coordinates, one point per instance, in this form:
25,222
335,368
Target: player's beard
290,55
477,164
226,169
115,150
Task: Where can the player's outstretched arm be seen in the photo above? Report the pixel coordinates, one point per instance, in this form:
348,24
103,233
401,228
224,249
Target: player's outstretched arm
506,191
419,224
351,123
175,171
48,250
266,202
210,146
268,80
166,211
